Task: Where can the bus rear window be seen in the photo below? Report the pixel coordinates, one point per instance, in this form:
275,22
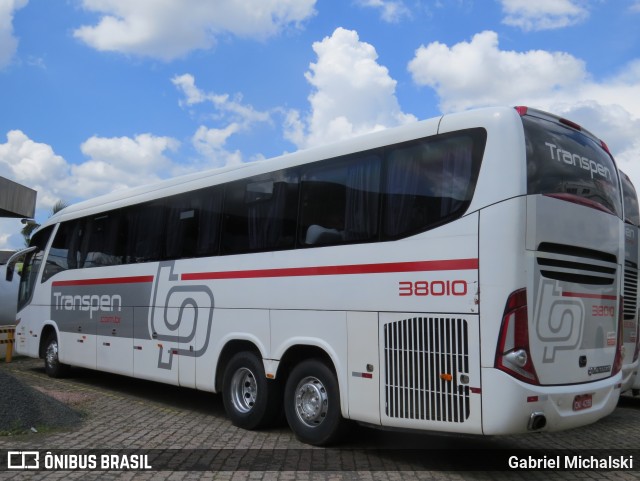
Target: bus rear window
562,160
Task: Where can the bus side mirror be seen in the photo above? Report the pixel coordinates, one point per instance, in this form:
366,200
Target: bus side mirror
11,262
9,275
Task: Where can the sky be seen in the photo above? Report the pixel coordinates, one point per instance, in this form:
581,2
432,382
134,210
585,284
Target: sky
99,95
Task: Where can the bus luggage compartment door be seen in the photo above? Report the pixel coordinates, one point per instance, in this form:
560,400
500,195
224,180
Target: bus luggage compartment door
430,375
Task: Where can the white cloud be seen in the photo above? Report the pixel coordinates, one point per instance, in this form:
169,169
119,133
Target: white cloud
172,28
543,14
10,237
635,6
479,74
223,103
352,94
234,116
210,143
120,162
392,11
114,163
35,165
8,43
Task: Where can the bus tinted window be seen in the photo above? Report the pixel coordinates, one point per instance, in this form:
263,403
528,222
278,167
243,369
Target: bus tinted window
260,213
561,160
65,249
431,181
102,241
194,218
145,230
339,201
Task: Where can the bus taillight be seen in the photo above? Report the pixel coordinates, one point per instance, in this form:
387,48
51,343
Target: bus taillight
617,362
636,353
512,354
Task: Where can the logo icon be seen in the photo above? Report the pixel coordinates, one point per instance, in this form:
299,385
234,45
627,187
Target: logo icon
559,320
23,460
181,316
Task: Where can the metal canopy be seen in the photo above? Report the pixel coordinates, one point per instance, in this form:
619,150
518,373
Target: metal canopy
16,200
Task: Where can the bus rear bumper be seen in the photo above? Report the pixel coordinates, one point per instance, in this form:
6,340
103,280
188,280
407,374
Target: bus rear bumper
629,375
510,406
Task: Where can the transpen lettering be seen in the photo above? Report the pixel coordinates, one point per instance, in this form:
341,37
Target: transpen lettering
90,303
579,161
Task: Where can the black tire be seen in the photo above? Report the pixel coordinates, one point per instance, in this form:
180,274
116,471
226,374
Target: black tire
250,399
312,404
52,365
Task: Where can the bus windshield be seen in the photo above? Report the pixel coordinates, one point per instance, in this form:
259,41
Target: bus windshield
562,160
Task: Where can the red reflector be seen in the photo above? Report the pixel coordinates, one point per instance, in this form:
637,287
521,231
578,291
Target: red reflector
475,390
532,399
605,147
522,110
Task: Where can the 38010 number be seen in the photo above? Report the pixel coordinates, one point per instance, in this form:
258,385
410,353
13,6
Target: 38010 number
433,288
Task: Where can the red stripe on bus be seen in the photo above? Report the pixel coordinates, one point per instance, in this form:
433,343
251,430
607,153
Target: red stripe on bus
110,280
446,265
590,296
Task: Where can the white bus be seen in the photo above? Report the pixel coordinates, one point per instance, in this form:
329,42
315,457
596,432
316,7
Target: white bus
460,274
630,289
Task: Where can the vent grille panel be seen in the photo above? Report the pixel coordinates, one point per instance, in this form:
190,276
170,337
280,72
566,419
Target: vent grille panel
577,265
419,354
630,292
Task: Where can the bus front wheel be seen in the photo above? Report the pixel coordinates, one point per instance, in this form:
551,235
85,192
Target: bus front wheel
52,365
312,403
250,399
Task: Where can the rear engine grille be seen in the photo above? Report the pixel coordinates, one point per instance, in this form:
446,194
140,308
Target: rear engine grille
425,358
576,264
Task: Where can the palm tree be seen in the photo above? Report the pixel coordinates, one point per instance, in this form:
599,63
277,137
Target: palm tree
28,229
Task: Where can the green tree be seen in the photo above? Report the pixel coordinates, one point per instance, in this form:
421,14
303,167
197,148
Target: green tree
30,227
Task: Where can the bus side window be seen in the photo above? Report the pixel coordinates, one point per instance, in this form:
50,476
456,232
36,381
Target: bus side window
194,218
102,244
260,213
339,201
430,182
64,253
145,225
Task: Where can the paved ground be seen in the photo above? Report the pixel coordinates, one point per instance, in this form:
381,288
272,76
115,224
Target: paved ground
121,413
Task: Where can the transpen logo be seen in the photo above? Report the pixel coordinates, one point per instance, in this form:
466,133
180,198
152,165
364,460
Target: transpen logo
184,316
559,320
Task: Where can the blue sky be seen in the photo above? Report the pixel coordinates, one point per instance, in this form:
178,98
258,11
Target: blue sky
97,95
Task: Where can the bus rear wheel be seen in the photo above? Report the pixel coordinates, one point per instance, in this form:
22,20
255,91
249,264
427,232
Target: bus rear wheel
250,399
312,404
52,365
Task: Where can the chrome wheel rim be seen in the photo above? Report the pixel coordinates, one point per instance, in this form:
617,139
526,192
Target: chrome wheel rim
312,401
244,390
